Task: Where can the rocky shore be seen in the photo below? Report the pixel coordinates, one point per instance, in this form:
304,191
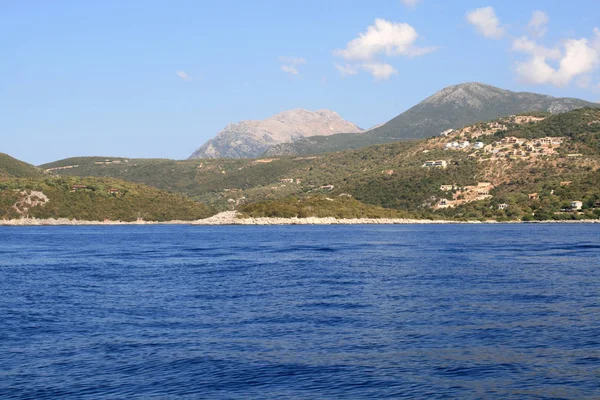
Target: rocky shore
74,222
231,218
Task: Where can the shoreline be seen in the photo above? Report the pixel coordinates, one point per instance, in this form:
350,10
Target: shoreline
230,218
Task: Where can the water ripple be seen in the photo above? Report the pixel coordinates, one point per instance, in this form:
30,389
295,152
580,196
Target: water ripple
436,312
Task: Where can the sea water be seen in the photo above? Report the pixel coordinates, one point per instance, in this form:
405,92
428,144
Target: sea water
300,312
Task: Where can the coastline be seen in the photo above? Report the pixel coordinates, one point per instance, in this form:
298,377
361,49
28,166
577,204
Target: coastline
230,218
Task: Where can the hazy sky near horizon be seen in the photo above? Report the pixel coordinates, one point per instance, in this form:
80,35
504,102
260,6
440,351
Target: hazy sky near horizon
157,79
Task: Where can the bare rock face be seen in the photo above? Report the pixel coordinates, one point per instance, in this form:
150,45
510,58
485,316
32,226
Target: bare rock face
247,139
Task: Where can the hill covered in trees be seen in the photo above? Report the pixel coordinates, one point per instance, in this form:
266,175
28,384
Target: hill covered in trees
93,199
319,206
12,168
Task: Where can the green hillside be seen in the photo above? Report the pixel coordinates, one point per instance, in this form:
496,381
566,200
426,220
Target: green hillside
93,199
203,180
319,206
12,168
394,175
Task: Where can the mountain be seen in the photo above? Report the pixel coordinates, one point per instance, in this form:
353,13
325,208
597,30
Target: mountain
450,108
12,168
396,175
249,139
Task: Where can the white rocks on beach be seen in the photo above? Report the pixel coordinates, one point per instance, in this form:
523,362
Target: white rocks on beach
231,218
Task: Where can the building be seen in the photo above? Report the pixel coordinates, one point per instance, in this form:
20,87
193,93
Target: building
548,141
75,188
483,188
534,196
502,206
464,145
566,183
113,191
436,164
511,140
576,205
286,180
327,187
446,132
478,145
446,188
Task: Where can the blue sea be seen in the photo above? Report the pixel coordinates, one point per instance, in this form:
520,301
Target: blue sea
300,312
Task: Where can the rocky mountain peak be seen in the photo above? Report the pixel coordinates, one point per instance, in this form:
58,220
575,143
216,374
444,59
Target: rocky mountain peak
300,115
251,138
471,94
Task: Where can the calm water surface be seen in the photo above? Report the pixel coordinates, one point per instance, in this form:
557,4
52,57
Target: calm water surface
300,312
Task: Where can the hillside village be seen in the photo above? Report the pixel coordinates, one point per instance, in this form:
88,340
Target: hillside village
480,142
487,142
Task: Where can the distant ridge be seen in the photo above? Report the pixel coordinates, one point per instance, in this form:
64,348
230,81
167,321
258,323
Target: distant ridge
452,107
247,139
27,192
12,168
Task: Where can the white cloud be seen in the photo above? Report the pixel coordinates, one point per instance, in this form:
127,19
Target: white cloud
486,22
380,71
577,59
410,3
183,75
289,69
346,70
538,25
525,45
290,64
535,71
383,38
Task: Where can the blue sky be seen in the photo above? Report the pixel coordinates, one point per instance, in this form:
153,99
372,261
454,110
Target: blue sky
157,79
